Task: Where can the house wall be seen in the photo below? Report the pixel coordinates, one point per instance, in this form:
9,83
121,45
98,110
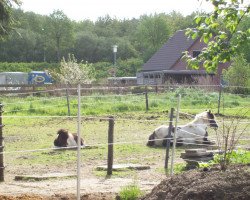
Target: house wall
182,65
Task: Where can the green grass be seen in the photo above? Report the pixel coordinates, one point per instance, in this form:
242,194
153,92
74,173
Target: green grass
192,101
130,192
31,123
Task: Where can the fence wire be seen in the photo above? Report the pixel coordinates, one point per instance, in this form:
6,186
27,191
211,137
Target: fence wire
29,139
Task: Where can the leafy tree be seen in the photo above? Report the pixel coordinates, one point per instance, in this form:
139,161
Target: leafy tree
176,21
126,49
86,46
129,67
23,45
72,72
220,31
152,32
238,75
245,48
6,20
59,31
106,26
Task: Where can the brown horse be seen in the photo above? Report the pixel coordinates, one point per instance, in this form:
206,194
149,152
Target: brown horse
66,139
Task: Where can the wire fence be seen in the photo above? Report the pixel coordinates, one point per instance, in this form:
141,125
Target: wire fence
29,131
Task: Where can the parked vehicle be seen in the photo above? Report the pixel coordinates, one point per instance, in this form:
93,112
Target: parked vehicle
23,78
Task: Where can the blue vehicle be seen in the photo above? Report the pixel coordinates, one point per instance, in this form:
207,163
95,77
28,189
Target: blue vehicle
39,78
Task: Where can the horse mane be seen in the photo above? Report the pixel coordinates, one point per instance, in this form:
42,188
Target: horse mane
61,140
210,115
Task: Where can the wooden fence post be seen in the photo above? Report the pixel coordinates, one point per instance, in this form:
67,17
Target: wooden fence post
156,89
1,145
219,99
174,136
68,104
146,97
110,145
169,137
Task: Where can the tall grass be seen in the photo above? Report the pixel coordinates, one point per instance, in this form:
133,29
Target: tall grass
192,100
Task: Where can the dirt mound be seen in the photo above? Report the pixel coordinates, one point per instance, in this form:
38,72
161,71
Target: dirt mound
210,184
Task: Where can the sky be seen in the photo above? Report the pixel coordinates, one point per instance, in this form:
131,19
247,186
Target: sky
121,9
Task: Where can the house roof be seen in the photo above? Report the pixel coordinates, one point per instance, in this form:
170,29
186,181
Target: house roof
169,53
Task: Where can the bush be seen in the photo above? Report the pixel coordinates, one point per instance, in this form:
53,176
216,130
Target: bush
27,67
130,192
141,89
238,76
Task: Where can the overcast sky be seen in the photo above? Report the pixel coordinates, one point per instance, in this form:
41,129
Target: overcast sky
128,9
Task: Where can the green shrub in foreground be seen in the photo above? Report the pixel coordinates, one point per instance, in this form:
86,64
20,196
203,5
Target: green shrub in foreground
130,192
236,157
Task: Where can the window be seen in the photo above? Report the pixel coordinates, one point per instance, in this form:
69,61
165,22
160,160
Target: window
196,53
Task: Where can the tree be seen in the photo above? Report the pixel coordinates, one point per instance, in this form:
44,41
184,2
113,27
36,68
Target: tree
85,46
60,31
245,48
72,72
220,31
151,34
238,75
6,20
176,21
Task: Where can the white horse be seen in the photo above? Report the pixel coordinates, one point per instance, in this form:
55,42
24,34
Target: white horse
192,132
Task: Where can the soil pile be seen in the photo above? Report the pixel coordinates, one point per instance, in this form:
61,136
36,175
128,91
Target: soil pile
209,184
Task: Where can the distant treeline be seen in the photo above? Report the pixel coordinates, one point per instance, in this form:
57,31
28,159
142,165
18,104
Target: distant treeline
43,40
39,38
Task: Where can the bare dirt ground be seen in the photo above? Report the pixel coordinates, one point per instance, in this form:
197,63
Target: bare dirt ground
209,184
212,184
92,187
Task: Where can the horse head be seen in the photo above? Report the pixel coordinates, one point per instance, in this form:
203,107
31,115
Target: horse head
207,118
211,119
61,139
151,139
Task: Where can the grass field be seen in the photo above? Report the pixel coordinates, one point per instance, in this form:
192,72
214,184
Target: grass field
192,101
31,124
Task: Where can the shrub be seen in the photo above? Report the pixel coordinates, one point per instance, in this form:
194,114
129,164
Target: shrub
238,75
227,139
237,157
137,89
130,192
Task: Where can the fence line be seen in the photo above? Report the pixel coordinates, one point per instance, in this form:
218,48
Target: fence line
128,87
101,144
106,144
96,145
106,118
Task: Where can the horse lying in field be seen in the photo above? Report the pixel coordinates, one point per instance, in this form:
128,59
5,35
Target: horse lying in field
66,139
193,132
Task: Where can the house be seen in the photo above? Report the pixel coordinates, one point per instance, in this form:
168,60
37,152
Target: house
167,65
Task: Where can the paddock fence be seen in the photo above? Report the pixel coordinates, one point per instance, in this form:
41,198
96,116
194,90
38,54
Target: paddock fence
31,120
